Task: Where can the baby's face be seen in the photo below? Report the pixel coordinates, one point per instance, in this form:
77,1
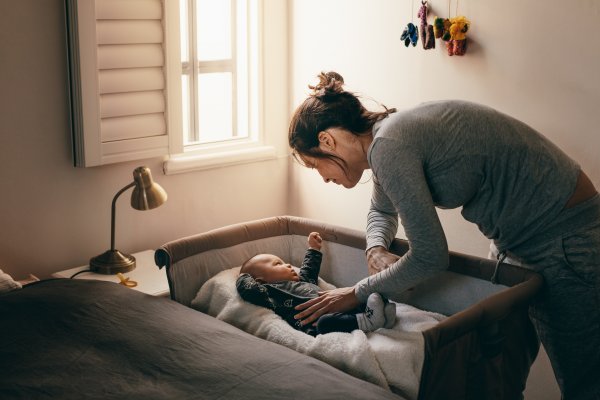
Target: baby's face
269,268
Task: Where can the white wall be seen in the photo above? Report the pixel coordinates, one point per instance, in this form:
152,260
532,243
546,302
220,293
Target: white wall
538,61
54,216
517,62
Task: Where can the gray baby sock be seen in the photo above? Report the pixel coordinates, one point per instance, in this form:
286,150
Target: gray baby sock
389,310
373,318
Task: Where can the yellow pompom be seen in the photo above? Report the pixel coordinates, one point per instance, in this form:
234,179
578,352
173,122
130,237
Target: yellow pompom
459,27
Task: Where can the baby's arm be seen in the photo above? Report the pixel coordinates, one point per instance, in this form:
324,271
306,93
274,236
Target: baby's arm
253,292
314,241
309,271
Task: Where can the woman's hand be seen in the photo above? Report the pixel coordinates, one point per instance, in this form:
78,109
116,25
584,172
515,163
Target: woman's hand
378,259
336,300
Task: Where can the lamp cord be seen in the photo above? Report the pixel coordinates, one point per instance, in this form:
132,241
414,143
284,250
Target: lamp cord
80,272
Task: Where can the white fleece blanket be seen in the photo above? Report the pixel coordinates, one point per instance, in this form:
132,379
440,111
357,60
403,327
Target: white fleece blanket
391,358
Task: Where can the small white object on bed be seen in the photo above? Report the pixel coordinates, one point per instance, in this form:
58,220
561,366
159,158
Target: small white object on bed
7,283
391,358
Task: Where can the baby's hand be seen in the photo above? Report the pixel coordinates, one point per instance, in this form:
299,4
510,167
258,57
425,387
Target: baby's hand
314,240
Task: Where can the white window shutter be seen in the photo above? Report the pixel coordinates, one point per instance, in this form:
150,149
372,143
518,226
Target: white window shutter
120,80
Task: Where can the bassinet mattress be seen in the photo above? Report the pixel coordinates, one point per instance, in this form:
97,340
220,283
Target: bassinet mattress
390,358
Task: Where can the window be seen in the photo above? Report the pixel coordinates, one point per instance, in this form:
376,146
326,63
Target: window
219,66
219,49
181,78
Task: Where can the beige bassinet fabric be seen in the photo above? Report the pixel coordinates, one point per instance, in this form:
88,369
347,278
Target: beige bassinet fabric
483,350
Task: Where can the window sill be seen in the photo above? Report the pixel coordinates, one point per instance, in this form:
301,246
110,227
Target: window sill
189,163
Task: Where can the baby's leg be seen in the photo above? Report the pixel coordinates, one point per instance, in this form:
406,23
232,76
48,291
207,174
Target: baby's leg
374,316
336,322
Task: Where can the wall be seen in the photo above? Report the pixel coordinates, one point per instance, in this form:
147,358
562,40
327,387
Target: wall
517,62
538,61
55,216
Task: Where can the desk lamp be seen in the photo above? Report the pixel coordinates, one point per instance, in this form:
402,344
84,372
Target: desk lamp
146,195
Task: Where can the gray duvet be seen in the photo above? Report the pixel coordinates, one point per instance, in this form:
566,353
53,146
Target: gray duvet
78,339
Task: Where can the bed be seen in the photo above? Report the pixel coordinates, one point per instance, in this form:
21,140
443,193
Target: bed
86,339
482,349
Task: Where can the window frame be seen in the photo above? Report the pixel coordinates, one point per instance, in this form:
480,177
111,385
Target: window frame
186,158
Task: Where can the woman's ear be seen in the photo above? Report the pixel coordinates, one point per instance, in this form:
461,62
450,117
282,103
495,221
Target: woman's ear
326,140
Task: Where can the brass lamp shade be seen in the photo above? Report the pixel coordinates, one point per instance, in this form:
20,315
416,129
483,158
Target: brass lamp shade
146,195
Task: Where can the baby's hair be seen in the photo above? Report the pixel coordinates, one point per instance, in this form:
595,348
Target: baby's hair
245,265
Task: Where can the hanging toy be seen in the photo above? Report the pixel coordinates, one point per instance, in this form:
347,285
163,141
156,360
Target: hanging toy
410,35
427,35
440,26
457,45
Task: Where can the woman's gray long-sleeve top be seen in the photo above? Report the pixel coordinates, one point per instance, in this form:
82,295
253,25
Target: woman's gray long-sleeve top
509,180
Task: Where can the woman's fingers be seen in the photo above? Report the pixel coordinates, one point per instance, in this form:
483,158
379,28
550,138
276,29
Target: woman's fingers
313,313
308,303
336,300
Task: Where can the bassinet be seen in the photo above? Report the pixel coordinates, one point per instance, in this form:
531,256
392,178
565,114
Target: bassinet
483,350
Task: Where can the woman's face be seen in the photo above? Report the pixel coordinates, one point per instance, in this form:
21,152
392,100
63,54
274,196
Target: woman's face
332,171
348,160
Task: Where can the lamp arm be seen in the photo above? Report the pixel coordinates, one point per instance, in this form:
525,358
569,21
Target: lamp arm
112,214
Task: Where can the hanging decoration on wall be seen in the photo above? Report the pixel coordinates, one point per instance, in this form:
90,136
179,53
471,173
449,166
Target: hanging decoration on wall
457,45
453,31
440,26
410,34
427,35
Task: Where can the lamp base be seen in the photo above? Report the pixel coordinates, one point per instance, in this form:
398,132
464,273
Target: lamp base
112,262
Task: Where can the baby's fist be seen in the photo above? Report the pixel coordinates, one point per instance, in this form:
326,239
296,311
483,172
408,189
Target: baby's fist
314,240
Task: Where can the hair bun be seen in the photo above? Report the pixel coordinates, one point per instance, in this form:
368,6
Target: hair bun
330,84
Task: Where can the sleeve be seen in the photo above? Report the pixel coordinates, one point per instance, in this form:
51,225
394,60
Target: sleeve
311,266
253,292
405,187
382,219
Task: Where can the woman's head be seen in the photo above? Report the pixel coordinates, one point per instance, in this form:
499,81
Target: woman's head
328,106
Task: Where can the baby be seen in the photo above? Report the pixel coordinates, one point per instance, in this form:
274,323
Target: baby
265,280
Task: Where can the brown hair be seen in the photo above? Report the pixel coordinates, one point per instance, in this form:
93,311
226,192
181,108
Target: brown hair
329,106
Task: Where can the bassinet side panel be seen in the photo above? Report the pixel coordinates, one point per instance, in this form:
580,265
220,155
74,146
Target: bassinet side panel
485,351
191,261
187,275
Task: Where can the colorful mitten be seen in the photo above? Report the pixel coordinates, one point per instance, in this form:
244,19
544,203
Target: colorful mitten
410,35
427,36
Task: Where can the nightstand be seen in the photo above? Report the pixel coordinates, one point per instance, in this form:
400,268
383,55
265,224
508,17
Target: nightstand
149,278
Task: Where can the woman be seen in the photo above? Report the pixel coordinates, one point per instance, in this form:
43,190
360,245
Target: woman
523,192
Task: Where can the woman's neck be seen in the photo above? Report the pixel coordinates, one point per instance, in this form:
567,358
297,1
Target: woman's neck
364,142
